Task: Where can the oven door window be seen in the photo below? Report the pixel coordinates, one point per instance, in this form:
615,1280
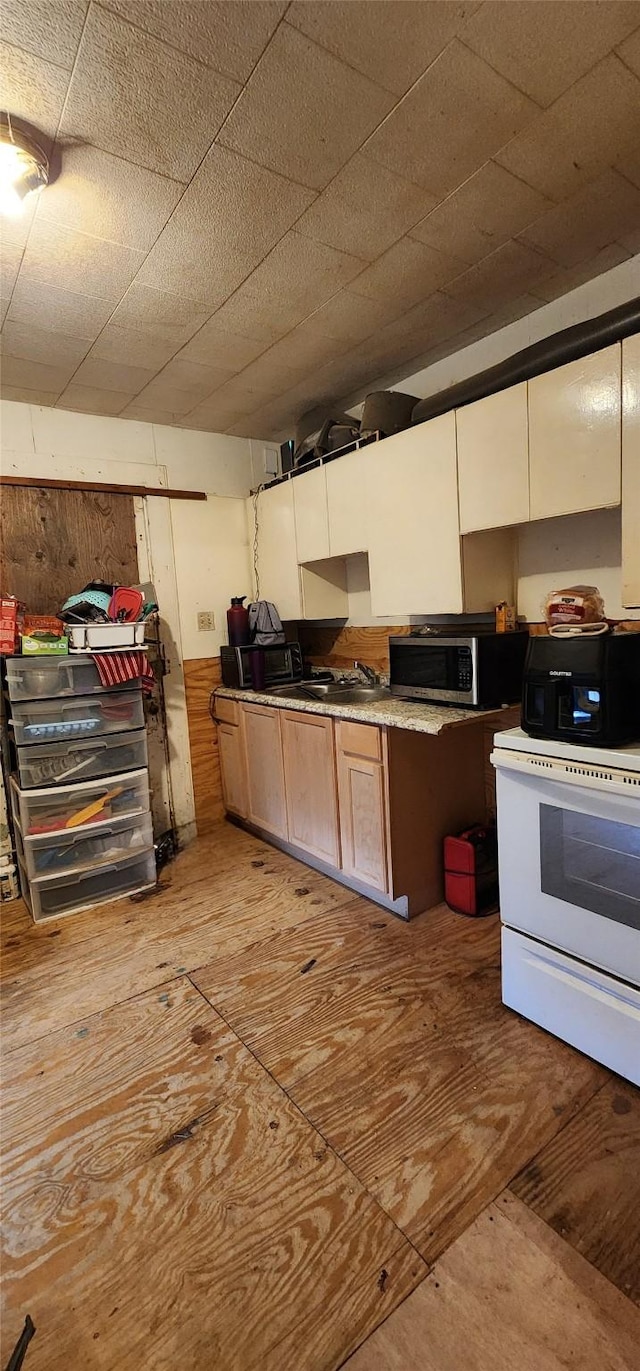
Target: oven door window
591,862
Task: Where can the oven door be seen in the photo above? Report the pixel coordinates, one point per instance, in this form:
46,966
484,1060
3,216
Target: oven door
569,859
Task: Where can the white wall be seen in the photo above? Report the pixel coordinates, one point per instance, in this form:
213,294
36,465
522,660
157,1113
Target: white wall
580,549
605,292
195,552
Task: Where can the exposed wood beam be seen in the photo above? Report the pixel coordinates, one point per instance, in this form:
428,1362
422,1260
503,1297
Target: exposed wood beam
48,484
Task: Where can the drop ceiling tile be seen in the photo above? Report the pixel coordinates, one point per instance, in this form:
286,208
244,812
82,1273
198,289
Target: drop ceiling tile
15,232
544,47
350,318
61,257
512,270
229,218
216,415
103,195
97,374
560,282
192,378
91,400
18,371
482,214
406,273
631,240
60,311
229,37
629,51
147,415
46,29
456,117
39,345
32,89
392,42
134,96
434,320
216,346
594,125
133,347
161,312
10,259
296,278
166,400
303,112
364,209
301,352
28,397
600,214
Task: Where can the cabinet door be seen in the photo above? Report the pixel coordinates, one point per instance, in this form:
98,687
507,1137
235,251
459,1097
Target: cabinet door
310,784
631,471
574,436
233,769
277,553
361,790
265,775
493,461
310,506
346,503
414,544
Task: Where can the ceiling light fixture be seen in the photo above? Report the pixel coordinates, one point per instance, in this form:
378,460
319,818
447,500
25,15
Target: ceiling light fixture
24,167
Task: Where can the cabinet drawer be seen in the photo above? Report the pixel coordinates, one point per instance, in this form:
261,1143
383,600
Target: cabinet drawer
50,896
53,764
39,678
227,711
361,740
56,808
56,854
79,716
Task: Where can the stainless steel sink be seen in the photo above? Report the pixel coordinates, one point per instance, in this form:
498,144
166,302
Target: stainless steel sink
332,692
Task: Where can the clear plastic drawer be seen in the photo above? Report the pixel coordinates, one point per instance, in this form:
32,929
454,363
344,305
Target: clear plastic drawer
46,678
79,716
48,897
54,764
53,854
79,806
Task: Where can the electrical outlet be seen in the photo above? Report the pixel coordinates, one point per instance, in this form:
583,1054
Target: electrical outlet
206,621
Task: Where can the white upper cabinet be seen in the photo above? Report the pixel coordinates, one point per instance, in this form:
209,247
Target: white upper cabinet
412,509
574,436
312,524
493,461
346,501
631,472
277,552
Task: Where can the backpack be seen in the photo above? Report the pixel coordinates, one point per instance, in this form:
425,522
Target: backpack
265,625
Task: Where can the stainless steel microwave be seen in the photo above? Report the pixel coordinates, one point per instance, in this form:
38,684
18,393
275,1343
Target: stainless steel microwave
476,670
282,663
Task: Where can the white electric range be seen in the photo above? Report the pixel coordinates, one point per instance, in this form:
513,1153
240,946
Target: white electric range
569,858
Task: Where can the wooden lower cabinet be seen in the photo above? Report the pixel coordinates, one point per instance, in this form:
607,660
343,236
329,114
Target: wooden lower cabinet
361,788
310,784
266,807
233,769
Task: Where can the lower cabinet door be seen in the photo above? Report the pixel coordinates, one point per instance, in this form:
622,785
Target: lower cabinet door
361,788
233,769
310,784
265,775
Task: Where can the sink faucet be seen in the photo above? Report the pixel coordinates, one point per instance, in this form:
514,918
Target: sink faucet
369,674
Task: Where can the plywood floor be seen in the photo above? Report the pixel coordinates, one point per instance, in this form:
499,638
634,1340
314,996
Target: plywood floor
252,1119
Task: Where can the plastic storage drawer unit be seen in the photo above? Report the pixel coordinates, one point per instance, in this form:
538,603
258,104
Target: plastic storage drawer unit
53,854
81,716
46,678
51,764
50,897
53,810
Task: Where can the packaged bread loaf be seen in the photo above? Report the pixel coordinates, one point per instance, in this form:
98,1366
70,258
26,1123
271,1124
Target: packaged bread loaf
577,605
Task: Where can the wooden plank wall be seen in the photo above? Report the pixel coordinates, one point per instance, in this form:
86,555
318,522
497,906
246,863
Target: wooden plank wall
54,541
341,647
201,676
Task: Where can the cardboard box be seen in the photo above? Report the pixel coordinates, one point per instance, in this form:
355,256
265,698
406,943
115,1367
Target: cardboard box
44,644
11,623
43,623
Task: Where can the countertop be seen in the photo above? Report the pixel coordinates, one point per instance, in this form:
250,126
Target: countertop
408,714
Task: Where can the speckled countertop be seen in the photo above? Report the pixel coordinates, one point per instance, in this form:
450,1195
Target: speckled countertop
415,716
